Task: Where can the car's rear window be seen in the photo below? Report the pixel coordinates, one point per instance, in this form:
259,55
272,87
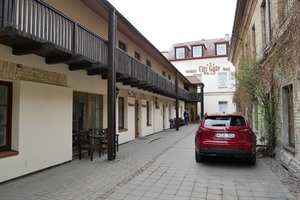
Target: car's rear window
224,121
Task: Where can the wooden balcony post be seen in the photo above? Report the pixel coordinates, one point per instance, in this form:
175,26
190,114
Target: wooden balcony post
111,88
6,12
177,98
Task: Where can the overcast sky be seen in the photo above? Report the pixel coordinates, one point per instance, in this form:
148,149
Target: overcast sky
164,22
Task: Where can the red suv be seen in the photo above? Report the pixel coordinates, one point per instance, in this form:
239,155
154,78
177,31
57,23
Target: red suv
225,135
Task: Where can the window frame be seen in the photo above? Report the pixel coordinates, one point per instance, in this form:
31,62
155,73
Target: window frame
266,23
148,63
8,124
90,120
148,115
201,52
137,56
220,85
223,104
177,53
288,109
218,50
121,113
122,46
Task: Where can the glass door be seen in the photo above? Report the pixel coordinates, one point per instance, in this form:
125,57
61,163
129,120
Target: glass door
87,112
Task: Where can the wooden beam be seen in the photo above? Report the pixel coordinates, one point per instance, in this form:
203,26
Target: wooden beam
111,87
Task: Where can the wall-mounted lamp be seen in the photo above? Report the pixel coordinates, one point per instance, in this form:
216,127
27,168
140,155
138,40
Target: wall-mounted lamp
156,102
129,92
117,92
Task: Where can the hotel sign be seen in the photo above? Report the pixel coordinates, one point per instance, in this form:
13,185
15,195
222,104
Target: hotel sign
209,69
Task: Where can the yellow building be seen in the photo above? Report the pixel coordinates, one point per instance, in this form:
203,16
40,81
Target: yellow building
74,65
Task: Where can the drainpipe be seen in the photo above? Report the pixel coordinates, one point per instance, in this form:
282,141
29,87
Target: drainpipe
202,100
111,87
177,98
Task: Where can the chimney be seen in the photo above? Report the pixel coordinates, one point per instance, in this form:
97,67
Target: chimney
226,36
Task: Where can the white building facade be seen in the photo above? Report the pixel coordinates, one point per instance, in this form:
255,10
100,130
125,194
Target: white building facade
54,82
208,61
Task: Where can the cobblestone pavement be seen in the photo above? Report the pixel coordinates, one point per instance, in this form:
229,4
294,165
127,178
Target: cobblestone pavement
290,181
83,179
160,166
176,175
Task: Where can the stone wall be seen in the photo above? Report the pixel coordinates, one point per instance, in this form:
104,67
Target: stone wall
15,71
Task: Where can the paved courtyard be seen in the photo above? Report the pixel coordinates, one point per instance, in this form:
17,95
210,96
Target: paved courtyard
160,166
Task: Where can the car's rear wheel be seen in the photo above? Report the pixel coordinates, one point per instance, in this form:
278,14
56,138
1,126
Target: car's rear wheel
198,157
252,160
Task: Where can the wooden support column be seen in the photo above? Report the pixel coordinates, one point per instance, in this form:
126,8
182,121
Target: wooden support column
176,102
111,88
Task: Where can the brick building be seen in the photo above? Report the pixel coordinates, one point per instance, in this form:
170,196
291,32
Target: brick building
267,32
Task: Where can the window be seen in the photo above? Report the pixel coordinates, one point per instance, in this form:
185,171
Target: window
180,52
222,106
94,112
163,73
122,46
221,49
197,51
225,120
266,24
148,113
288,114
222,79
87,111
121,113
169,77
5,115
148,63
137,56
253,41
283,10
286,9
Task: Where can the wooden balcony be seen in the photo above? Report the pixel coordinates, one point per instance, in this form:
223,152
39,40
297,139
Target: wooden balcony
33,27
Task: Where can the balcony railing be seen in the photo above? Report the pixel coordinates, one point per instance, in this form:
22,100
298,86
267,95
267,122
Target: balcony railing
142,76
39,22
31,26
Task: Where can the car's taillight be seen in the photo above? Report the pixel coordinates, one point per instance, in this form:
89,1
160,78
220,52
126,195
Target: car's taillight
201,130
246,130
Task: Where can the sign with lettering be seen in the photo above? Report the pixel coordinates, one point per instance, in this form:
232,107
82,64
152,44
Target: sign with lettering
208,69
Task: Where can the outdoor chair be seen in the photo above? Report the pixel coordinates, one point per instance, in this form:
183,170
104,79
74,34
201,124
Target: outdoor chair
104,142
87,143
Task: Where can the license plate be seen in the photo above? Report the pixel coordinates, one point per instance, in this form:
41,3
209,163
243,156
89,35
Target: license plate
225,135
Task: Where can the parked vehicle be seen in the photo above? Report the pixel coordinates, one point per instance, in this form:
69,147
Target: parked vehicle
225,135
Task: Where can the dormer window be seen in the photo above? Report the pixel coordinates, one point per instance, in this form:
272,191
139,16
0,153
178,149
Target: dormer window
197,51
221,49
180,52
